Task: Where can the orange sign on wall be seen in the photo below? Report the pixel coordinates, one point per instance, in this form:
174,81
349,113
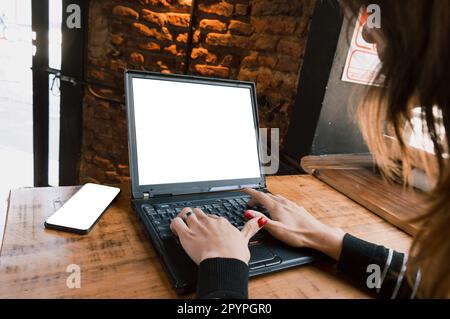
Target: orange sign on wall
362,63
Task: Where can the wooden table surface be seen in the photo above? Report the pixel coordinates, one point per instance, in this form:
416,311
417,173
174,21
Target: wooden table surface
117,260
354,175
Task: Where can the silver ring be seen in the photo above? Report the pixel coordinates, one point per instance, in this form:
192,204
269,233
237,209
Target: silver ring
185,217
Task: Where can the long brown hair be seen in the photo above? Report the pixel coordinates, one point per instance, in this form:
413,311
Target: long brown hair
416,73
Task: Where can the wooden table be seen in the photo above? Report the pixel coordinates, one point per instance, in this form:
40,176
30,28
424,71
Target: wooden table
117,260
355,176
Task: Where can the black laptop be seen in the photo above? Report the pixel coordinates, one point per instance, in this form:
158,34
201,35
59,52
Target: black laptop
194,142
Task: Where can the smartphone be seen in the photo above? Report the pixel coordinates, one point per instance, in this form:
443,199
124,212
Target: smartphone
82,211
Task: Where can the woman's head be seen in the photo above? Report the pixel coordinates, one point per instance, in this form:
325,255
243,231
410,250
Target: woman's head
414,47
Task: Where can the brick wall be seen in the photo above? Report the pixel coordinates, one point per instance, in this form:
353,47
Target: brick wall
254,40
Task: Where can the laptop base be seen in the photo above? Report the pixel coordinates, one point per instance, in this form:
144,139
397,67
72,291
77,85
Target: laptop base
267,254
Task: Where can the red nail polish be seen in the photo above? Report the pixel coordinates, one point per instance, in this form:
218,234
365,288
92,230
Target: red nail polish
248,214
262,221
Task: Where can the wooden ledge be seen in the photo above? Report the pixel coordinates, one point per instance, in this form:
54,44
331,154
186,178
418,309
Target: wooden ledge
354,175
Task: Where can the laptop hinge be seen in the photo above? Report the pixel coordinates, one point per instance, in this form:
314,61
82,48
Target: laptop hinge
148,195
161,195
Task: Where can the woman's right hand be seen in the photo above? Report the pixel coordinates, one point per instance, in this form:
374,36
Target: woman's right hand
293,225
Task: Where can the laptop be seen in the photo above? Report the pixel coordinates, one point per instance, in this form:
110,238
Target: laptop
194,142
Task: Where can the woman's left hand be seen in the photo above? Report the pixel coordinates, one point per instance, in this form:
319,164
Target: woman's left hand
208,236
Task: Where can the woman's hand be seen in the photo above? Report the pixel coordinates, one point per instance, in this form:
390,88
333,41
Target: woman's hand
293,225
208,236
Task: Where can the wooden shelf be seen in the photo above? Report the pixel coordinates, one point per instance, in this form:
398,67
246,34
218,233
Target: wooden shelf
354,175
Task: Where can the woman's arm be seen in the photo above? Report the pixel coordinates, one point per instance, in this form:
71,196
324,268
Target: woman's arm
376,268
223,278
222,253
228,278
220,250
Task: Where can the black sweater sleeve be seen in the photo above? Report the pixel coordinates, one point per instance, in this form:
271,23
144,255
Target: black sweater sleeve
222,278
376,268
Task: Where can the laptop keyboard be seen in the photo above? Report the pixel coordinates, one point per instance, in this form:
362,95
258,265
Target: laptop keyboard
230,208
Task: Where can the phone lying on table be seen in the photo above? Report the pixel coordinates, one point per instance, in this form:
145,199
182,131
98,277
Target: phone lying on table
82,211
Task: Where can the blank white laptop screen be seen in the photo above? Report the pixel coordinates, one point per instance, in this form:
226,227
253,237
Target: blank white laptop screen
189,132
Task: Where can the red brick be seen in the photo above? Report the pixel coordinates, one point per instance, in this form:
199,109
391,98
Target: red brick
99,63
275,25
143,29
196,37
178,19
182,37
239,27
118,65
112,177
266,79
219,39
123,11
149,46
157,3
221,9
137,58
213,71
239,45
123,169
125,180
172,49
88,155
269,61
227,40
198,53
288,64
97,74
247,75
265,42
205,54
291,48
162,65
227,60
103,163
212,58
117,39
159,19
302,28
277,7
163,34
274,97
241,9
185,3
289,84
104,115
250,60
212,25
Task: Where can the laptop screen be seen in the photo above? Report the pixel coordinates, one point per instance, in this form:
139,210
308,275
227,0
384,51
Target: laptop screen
191,132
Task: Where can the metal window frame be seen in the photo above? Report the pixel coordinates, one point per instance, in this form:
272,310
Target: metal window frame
320,51
73,64
39,23
73,57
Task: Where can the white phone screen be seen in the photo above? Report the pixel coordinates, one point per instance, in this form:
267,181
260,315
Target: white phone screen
83,209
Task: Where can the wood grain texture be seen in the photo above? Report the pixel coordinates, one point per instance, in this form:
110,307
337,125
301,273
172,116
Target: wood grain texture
396,205
338,162
117,260
354,176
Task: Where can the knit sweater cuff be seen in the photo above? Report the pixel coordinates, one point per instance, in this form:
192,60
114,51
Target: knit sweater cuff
222,278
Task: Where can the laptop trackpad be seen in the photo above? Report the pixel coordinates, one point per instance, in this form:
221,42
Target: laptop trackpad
260,254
